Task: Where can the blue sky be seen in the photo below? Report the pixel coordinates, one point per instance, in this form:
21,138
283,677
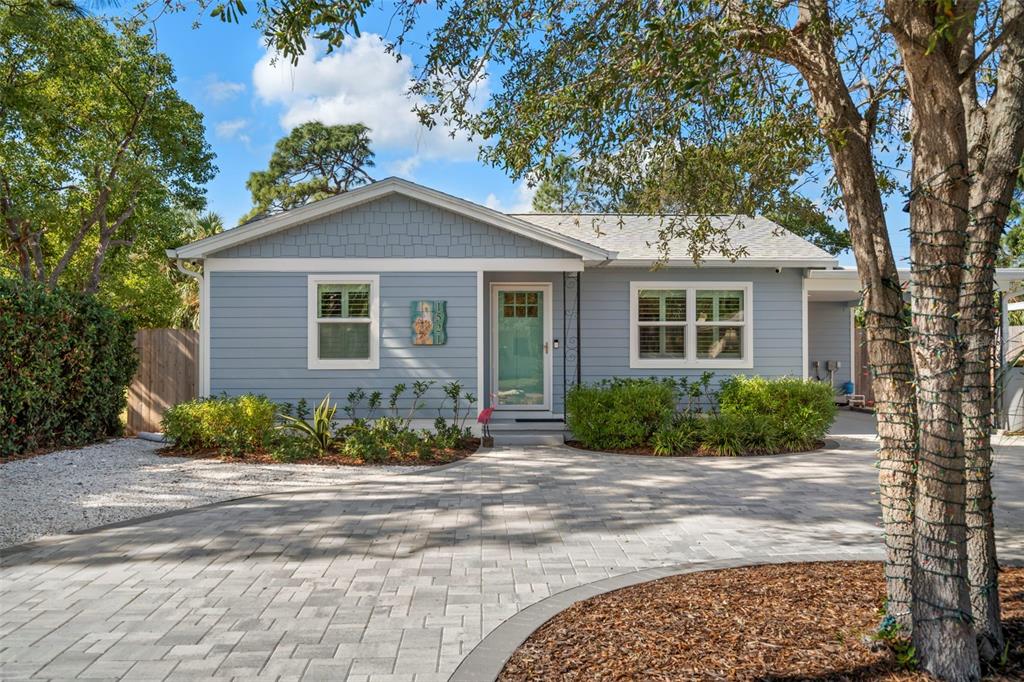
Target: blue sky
249,103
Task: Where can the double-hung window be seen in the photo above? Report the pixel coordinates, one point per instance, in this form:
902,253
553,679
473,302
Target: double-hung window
344,314
690,324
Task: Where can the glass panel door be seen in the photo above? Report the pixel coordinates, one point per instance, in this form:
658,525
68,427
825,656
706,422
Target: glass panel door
520,332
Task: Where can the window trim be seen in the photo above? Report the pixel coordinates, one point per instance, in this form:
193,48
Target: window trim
691,360
313,359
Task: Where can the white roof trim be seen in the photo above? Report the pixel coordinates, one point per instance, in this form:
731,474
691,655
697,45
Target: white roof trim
847,279
377,190
718,262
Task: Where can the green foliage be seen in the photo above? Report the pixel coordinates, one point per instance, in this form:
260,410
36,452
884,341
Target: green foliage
290,448
66,364
891,633
679,437
234,424
620,413
723,435
320,433
98,152
314,161
369,441
803,410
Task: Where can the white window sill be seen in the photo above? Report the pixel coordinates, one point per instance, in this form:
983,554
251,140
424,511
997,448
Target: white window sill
343,364
637,363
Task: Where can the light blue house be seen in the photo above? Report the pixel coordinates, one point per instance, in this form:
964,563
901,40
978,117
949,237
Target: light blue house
395,282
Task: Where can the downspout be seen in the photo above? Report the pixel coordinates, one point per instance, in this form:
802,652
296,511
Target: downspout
201,282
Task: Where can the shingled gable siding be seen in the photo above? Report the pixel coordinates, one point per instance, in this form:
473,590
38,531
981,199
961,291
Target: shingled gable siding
776,319
828,338
393,227
258,337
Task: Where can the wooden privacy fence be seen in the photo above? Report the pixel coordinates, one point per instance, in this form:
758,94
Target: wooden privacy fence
166,376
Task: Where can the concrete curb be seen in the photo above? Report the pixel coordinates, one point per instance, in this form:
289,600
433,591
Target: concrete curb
487,659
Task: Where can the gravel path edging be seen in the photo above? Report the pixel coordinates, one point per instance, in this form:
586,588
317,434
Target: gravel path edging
51,540
487,659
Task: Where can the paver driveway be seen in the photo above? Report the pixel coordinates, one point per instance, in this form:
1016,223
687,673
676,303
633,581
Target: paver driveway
398,579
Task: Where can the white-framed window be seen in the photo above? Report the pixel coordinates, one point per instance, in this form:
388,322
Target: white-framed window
690,324
344,322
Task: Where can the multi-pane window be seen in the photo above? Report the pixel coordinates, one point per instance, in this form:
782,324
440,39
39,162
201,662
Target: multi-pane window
719,324
661,323
343,328
520,303
689,325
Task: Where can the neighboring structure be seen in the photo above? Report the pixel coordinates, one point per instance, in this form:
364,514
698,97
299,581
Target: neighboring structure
395,282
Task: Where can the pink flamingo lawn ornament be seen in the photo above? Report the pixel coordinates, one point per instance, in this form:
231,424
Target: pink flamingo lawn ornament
485,418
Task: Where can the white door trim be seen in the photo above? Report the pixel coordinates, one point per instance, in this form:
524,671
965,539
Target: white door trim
546,287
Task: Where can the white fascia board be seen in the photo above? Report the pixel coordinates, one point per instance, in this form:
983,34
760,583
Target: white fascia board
393,264
362,195
722,263
849,279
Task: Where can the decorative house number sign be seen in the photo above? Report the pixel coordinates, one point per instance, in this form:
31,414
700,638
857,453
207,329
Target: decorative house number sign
429,320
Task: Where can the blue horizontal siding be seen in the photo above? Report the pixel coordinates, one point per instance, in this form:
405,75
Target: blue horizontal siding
828,339
258,330
777,327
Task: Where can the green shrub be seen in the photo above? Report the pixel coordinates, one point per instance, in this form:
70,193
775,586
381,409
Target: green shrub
368,442
621,413
675,439
802,410
235,424
320,432
722,435
65,366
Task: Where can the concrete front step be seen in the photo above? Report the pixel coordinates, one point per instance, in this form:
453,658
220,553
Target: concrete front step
524,432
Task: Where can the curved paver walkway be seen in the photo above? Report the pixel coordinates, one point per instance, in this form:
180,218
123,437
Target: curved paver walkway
398,579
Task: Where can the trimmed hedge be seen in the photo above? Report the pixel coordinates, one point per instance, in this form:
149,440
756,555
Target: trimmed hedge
621,413
65,364
802,409
236,424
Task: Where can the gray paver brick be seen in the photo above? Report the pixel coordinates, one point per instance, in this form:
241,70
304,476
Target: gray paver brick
398,578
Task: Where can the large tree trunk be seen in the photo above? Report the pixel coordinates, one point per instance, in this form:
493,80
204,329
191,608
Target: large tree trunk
939,206
995,143
889,356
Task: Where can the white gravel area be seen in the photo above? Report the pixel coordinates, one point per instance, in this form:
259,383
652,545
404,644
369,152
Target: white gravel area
124,479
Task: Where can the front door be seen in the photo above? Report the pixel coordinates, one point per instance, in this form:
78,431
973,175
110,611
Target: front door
521,358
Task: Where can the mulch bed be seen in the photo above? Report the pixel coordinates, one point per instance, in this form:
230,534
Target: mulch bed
783,622
648,451
331,459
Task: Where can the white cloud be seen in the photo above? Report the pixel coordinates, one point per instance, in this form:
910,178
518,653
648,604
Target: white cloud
522,203
359,83
230,130
220,91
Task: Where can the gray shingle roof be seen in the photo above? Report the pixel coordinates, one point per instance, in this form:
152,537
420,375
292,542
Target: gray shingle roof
635,237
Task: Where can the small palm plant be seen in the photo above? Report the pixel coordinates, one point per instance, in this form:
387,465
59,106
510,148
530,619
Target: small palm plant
319,433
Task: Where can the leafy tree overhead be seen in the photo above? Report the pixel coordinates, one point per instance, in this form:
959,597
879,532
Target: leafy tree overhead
628,81
314,161
97,148
186,310
560,192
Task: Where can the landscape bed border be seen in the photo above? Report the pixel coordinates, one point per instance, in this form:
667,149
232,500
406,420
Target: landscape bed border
485,661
